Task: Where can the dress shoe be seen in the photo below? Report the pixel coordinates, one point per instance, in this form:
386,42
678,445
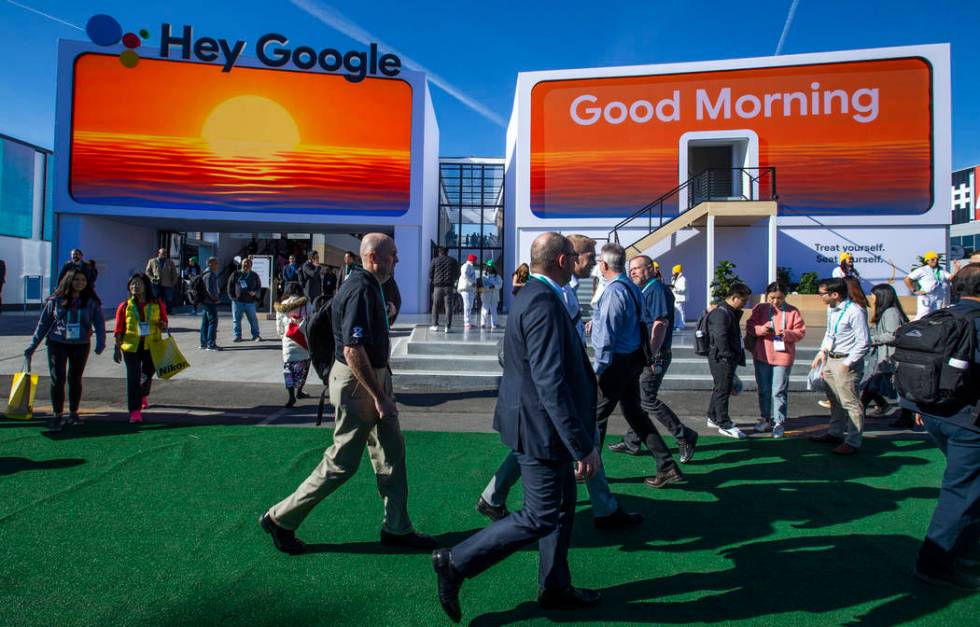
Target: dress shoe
845,449
284,539
665,478
947,578
623,447
302,394
413,540
570,598
56,423
617,520
686,448
493,512
826,438
449,581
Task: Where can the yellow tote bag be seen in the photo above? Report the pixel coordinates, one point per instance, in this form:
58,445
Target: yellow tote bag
167,358
20,405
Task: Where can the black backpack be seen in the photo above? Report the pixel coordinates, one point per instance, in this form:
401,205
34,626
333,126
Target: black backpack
195,291
934,361
702,341
319,338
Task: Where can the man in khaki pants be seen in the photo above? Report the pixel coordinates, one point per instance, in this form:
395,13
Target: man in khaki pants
842,352
360,390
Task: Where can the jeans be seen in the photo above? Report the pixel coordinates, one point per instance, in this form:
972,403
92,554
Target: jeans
248,309
619,384
773,382
166,294
955,527
442,297
723,376
66,363
603,501
209,324
650,382
679,320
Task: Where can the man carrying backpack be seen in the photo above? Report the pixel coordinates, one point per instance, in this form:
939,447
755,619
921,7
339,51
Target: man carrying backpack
725,353
950,553
842,352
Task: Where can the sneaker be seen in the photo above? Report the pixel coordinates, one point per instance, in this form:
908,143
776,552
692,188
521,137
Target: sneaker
732,432
75,420
763,425
214,348
202,347
434,328
712,424
778,430
135,417
237,340
467,326
824,403
257,338
447,329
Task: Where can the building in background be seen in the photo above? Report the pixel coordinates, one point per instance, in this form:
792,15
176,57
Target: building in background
776,161
964,233
26,221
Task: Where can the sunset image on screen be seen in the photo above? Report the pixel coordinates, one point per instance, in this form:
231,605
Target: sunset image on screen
833,155
171,134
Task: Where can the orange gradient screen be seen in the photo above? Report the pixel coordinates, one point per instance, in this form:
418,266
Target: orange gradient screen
845,138
170,134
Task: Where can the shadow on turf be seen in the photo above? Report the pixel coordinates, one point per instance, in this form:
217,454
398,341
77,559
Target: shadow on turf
13,465
376,548
814,575
105,429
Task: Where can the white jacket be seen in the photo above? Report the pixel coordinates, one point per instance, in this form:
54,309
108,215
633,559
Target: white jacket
680,288
293,312
467,278
491,288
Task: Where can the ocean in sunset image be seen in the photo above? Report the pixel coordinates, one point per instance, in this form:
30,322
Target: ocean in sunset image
247,140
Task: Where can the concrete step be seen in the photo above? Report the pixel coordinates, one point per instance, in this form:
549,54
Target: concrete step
449,364
452,348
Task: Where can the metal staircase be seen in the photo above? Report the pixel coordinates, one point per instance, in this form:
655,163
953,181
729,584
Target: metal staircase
754,189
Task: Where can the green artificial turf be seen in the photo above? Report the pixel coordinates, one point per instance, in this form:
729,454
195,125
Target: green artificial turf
157,526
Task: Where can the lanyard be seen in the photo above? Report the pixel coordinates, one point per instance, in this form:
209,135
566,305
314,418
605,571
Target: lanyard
559,293
839,318
652,281
136,309
384,306
783,311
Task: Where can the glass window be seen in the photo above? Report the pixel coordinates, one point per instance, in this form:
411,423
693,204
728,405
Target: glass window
16,189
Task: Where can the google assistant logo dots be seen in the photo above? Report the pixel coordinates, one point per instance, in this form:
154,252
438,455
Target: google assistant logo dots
105,30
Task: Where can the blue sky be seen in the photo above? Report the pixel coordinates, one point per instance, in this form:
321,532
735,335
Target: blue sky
476,49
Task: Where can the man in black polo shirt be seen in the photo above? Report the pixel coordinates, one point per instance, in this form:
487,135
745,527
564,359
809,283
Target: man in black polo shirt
360,390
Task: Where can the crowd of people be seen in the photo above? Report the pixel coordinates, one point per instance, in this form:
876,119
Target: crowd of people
554,398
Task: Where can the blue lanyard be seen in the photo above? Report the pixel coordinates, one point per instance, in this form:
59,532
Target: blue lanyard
839,318
384,306
652,281
559,293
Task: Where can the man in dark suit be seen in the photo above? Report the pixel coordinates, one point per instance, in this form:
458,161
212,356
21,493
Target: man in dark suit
546,409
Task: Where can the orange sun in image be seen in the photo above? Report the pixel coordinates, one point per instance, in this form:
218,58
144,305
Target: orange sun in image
250,126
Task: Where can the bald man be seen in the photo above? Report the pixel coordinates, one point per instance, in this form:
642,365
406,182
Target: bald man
360,390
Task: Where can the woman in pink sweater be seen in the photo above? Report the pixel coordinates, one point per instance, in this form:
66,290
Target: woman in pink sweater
775,328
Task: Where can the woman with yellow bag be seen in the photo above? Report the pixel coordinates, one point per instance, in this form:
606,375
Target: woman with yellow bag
67,322
140,319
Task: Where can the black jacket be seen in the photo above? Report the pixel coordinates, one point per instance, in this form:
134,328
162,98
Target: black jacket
311,280
253,283
725,338
443,272
546,404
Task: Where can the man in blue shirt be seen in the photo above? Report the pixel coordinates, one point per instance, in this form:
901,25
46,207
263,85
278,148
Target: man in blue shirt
951,549
660,310
619,359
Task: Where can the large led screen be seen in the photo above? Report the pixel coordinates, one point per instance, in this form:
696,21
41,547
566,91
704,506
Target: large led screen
178,135
845,138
